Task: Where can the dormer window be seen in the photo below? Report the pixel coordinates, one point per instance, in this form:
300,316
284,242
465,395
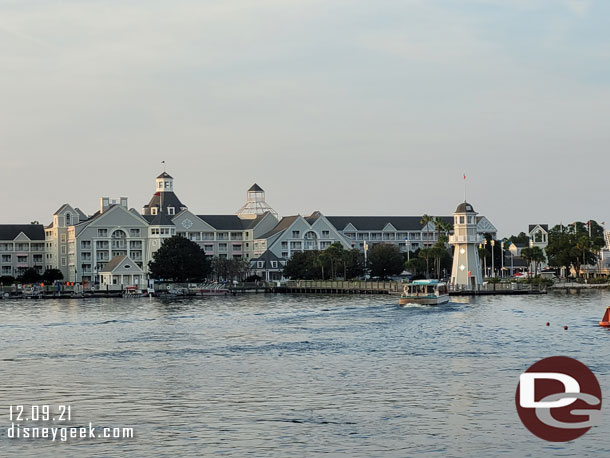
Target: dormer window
171,211
153,211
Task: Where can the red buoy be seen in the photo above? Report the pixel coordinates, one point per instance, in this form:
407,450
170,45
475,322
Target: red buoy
565,328
548,324
606,319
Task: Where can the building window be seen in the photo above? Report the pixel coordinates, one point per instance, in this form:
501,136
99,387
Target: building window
6,258
64,262
102,232
284,254
63,238
260,264
296,234
208,248
326,234
461,220
134,232
153,211
274,264
171,211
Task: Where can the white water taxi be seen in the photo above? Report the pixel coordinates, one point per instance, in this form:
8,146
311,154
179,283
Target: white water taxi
429,292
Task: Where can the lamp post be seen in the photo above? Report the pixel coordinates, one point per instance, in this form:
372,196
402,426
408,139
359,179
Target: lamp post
408,248
485,259
502,257
493,269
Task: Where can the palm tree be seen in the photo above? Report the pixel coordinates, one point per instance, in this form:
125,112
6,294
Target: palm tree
528,254
426,253
425,219
537,256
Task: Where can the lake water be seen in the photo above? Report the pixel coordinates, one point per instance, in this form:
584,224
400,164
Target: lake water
282,375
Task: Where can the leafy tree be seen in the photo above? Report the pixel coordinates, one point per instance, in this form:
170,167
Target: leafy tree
303,266
533,255
7,280
51,275
521,239
180,260
30,276
385,260
570,246
417,266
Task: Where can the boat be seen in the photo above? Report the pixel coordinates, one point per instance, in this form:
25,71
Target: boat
428,292
605,322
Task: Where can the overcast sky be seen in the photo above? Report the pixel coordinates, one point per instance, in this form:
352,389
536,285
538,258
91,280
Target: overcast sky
354,107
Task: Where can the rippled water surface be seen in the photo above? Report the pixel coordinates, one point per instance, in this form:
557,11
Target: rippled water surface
295,375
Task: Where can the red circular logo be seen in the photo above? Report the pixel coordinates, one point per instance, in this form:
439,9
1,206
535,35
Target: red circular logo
559,399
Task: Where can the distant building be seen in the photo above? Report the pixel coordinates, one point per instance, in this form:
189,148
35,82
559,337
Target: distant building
22,246
539,237
406,232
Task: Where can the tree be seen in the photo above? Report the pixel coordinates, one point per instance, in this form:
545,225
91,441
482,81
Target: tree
538,257
7,280
425,220
521,239
180,260
304,265
570,246
30,276
385,260
533,255
51,275
426,254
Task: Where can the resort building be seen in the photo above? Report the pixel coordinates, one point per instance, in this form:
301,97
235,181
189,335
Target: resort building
406,232
22,246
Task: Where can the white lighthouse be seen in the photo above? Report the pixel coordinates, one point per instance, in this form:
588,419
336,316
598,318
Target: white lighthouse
466,271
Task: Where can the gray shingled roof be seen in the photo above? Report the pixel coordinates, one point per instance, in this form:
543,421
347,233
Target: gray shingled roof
165,175
165,199
11,231
255,188
160,219
377,223
230,222
284,224
268,256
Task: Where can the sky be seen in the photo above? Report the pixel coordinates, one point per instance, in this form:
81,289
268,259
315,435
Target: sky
347,107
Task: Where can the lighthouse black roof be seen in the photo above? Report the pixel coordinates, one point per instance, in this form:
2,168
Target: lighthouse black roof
255,188
165,175
464,207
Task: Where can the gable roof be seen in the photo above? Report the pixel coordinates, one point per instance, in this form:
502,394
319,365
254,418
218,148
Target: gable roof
34,232
255,188
165,175
284,224
267,257
545,227
60,209
377,223
116,261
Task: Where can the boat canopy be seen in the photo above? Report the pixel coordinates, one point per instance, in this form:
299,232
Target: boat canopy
425,282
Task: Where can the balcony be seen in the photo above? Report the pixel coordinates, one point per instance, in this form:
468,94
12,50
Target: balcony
465,239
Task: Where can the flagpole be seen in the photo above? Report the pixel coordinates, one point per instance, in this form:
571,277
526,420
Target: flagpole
464,186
